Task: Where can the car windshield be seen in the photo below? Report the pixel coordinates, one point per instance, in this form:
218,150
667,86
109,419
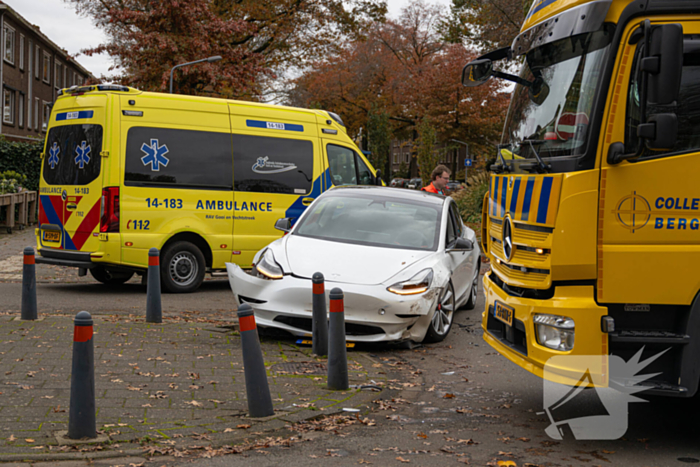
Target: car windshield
373,221
554,112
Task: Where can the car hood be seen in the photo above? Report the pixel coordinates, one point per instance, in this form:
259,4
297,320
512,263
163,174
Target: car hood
344,262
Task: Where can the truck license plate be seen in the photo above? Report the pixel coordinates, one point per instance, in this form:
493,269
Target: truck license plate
503,313
52,236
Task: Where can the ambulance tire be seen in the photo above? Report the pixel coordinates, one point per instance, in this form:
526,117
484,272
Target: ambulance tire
182,268
110,277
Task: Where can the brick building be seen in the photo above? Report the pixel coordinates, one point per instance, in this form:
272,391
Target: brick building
452,155
33,69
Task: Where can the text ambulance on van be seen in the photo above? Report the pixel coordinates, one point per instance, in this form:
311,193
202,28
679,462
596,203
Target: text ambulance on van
202,179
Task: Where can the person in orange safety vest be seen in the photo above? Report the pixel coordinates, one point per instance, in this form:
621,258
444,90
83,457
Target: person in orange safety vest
440,176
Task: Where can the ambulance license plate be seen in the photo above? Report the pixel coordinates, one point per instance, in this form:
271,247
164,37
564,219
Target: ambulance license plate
503,313
52,236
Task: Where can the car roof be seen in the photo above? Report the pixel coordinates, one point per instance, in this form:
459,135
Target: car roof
393,193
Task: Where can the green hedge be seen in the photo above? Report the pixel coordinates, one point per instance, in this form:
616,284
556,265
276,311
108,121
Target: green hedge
24,158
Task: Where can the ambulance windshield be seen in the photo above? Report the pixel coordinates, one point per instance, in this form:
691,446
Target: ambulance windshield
553,118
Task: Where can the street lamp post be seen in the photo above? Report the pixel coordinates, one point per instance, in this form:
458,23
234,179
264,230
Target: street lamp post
466,146
215,58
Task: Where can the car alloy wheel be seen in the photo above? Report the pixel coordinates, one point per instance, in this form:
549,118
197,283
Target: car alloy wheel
444,312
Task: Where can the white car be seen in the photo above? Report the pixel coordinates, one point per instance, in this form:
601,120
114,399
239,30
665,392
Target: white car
404,260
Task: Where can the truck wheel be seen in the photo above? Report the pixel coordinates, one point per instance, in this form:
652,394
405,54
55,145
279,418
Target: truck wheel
108,277
182,268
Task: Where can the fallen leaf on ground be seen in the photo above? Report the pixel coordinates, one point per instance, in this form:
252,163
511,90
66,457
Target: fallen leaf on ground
195,403
243,427
402,459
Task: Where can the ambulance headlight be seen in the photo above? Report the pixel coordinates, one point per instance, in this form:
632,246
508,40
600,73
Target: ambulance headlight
555,332
268,267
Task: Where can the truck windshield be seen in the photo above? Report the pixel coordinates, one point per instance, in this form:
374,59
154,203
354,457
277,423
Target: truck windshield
554,122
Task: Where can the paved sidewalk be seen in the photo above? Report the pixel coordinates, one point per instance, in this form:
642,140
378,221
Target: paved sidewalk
175,385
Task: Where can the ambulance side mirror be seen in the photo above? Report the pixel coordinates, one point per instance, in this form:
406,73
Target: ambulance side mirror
285,225
378,178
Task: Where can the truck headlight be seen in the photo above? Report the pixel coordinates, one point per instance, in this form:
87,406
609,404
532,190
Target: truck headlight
415,285
555,332
268,267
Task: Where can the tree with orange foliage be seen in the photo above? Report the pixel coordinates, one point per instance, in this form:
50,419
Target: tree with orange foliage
257,39
404,68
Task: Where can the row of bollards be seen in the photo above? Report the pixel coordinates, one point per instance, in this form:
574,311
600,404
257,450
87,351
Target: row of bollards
82,411
328,331
154,312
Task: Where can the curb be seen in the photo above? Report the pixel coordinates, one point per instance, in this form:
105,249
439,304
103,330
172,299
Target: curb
70,456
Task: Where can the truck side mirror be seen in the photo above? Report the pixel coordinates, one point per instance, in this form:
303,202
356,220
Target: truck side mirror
664,64
477,72
660,131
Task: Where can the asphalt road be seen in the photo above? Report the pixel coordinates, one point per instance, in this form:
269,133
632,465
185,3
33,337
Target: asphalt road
460,402
483,414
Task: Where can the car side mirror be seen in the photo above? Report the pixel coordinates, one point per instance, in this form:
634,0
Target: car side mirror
285,225
461,244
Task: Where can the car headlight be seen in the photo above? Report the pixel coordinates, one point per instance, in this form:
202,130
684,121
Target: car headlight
415,285
555,332
268,267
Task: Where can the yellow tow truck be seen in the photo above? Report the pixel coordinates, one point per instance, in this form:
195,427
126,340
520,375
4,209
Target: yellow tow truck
592,220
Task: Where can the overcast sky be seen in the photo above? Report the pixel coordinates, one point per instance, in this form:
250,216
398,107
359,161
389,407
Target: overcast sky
59,22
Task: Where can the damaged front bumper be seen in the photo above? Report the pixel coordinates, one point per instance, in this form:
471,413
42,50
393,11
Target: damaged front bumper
372,313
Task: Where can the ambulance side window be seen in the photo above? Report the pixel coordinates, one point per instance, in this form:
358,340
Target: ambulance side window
165,157
272,165
347,167
687,108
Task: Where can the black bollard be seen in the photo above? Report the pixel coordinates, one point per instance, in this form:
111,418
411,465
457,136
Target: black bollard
154,312
337,353
259,399
81,421
29,311
319,317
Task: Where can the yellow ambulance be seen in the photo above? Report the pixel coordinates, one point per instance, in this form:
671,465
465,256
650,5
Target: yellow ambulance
204,180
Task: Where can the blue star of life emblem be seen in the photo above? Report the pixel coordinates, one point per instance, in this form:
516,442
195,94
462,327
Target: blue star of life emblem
82,152
260,163
155,155
53,157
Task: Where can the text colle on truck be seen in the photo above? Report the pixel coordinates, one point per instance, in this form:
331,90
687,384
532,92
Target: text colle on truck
592,220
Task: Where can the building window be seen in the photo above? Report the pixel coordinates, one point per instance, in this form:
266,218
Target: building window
57,74
46,75
408,158
8,107
396,158
20,120
36,62
21,52
9,44
47,115
36,114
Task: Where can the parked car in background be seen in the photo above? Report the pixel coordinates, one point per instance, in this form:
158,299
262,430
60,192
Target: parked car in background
454,185
405,262
398,183
415,183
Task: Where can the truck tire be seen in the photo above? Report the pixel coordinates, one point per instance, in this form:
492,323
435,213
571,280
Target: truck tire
182,268
108,277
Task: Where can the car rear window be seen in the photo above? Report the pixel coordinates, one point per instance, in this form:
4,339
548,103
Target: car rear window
73,155
389,223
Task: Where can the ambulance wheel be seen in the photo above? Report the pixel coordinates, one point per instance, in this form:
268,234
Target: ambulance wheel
108,277
182,268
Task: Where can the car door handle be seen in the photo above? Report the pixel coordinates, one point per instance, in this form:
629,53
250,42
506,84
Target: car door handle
71,206
307,201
